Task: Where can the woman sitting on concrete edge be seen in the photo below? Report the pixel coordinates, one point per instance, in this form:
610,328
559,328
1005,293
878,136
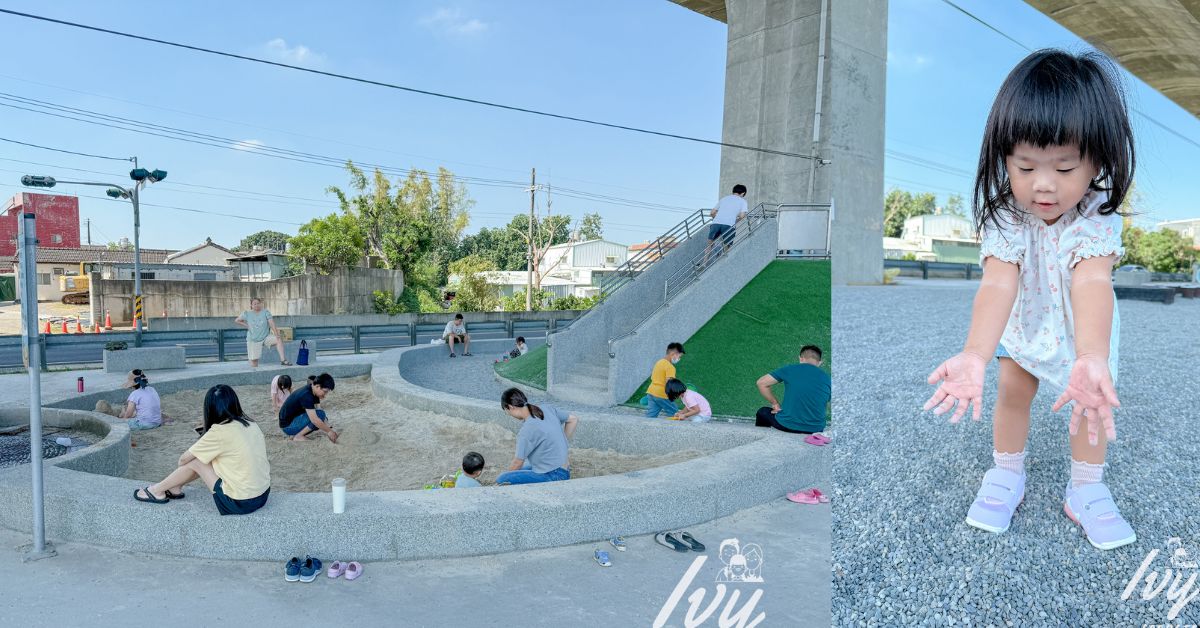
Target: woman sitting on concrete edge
143,410
542,448
231,459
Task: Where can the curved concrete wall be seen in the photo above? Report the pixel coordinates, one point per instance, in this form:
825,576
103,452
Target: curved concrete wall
749,466
108,456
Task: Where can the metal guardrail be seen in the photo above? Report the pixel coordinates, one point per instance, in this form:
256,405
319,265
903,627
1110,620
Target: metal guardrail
663,244
968,270
687,274
224,344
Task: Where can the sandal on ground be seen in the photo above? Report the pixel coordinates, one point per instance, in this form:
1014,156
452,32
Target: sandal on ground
171,495
618,542
601,558
336,569
1092,507
803,497
821,437
285,363
149,498
354,569
452,354
998,497
667,539
468,354
696,546
813,439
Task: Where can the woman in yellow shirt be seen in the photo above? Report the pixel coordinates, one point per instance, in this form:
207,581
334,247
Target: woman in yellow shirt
230,458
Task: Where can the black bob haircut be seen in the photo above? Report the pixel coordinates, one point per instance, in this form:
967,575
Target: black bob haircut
221,405
472,463
675,389
1056,98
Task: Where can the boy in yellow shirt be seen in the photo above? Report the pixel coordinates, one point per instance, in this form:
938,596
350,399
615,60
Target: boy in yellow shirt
656,394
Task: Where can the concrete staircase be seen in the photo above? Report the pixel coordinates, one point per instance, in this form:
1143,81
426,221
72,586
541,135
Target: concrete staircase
604,356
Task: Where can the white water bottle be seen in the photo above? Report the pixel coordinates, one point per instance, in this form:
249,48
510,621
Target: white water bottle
339,495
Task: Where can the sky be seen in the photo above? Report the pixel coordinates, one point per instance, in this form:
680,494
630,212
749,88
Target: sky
641,63
943,72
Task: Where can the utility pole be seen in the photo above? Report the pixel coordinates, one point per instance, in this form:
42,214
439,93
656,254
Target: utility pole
529,253
88,222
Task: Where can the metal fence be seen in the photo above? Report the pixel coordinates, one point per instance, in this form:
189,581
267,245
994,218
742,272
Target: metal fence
971,271
691,226
227,344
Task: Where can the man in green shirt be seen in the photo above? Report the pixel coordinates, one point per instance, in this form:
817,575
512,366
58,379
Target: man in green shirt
806,395
260,332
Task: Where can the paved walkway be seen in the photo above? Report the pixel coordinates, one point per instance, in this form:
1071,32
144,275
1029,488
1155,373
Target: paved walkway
905,479
84,585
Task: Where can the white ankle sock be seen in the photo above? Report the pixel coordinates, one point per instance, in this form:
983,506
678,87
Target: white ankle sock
1012,462
1085,473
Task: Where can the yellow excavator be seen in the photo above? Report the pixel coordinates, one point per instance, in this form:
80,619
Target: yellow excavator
75,288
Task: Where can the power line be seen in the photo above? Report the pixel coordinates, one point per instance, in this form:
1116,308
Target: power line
334,141
414,90
59,150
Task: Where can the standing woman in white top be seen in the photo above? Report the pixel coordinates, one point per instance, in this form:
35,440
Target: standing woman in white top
725,216
1056,162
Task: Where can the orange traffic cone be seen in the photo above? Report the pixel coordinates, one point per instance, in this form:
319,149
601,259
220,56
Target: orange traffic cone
96,328
107,321
78,327
64,326
48,328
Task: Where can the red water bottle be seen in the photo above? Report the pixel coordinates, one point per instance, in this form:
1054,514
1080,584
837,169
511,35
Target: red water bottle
79,385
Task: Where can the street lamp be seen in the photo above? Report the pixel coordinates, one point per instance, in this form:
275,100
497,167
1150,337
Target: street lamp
141,178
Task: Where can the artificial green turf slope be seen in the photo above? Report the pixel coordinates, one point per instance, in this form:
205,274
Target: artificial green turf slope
760,329
529,369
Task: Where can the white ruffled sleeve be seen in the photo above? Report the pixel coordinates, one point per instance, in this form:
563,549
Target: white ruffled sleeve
1091,234
1005,242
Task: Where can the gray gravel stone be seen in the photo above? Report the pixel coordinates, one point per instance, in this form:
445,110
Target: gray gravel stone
906,478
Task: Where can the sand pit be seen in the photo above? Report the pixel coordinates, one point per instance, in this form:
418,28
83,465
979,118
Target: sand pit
382,446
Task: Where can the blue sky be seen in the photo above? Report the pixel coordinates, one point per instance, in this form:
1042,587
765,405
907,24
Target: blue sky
944,69
637,62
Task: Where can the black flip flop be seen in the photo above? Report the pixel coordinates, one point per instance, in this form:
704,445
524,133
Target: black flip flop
667,539
687,537
171,495
150,498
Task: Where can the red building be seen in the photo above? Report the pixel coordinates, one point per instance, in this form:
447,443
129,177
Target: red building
57,221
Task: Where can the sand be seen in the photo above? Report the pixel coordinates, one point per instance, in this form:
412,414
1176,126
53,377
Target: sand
382,446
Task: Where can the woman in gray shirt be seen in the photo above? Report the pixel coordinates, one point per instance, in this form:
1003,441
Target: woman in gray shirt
542,448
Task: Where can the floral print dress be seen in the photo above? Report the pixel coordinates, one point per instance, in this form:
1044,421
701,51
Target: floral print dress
1040,333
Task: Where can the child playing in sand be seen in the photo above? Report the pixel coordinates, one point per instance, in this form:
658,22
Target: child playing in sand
143,410
695,406
656,393
281,389
472,466
1056,163
301,414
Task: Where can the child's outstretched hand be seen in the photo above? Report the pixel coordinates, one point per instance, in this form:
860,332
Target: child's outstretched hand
1091,388
962,383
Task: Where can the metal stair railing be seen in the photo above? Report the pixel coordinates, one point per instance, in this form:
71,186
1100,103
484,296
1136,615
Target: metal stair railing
663,244
699,264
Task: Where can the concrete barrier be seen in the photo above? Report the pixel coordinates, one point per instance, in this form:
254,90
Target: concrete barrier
744,467
108,456
145,358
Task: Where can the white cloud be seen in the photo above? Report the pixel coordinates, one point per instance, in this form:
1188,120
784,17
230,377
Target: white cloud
247,144
451,21
278,50
908,61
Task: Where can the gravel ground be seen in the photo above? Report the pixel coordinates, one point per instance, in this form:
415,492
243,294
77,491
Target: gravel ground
905,479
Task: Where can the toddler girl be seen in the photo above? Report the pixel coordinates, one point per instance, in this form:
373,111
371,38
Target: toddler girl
1057,161
281,387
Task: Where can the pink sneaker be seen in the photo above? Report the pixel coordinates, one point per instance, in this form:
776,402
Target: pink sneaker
1092,507
999,495
353,570
803,497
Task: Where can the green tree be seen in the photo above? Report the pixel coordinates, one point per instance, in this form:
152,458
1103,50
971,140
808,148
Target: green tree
955,206
414,226
501,246
516,303
1166,251
264,240
473,293
121,245
325,244
591,227
900,205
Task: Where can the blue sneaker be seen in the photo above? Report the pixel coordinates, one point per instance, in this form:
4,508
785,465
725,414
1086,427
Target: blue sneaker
310,570
292,571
